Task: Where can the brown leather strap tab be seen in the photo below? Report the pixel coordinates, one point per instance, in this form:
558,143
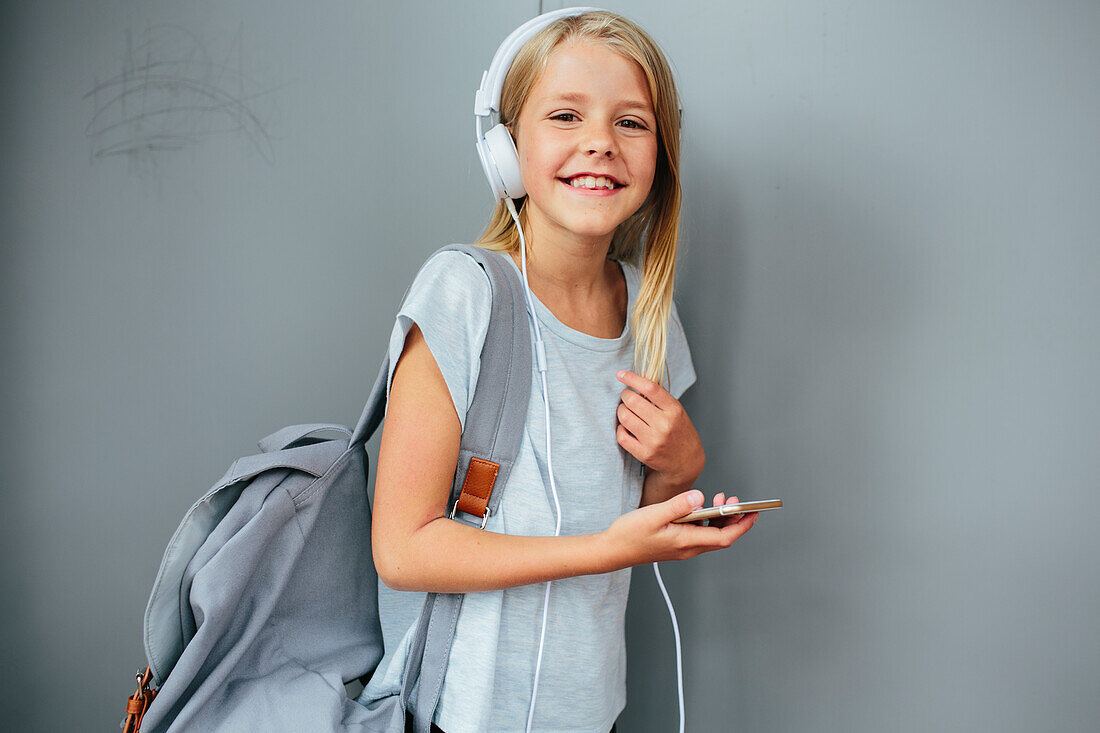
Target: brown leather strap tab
478,486
139,702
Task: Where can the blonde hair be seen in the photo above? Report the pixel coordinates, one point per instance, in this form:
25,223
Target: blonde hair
651,232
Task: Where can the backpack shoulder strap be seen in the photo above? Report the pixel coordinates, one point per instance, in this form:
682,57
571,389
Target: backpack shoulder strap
498,410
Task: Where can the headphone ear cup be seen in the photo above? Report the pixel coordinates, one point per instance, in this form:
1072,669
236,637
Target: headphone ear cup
490,169
501,150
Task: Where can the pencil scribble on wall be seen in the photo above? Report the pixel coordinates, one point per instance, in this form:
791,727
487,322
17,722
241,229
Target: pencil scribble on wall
171,95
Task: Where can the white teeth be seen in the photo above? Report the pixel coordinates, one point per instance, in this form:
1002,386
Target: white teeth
592,182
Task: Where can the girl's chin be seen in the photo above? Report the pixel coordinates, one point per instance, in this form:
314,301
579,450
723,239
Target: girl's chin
583,219
587,231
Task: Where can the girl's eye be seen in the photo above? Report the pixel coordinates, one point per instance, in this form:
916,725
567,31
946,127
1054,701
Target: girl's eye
635,125
563,114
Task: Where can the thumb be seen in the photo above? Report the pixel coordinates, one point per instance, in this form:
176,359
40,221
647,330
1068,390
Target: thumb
683,504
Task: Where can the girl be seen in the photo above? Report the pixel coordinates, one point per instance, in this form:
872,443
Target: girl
591,105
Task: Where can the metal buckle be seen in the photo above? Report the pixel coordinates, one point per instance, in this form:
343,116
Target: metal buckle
484,519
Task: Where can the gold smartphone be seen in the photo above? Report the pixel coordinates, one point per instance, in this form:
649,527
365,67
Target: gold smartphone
744,507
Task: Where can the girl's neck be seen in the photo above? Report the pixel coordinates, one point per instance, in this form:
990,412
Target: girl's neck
576,281
565,264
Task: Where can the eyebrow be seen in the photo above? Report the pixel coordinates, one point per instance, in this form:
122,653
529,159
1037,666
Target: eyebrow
582,98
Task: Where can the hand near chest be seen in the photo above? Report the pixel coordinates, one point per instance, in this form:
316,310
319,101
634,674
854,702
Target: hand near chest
654,428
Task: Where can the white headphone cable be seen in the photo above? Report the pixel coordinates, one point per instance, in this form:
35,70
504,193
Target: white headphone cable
540,358
679,654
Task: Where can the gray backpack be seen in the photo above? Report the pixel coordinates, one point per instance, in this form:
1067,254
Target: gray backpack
266,604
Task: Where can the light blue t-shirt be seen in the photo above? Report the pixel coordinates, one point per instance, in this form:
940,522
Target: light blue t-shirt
582,684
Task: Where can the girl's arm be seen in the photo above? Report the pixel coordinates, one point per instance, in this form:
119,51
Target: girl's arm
416,547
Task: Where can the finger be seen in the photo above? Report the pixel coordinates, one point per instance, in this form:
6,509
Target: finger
628,442
647,388
630,420
682,504
731,519
733,531
719,499
639,405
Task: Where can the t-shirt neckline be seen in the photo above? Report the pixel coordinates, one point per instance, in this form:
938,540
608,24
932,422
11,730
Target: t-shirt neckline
595,343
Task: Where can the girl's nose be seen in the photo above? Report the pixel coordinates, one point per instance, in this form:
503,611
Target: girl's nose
600,141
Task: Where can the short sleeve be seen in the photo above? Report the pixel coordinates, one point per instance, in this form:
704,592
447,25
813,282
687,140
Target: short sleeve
681,371
450,300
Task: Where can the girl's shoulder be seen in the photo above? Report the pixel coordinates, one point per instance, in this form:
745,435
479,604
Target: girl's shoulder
451,296
449,300
451,277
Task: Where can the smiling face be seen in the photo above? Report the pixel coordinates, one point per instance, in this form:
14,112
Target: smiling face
589,113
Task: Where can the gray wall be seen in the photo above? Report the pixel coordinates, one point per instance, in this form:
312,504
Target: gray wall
889,280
